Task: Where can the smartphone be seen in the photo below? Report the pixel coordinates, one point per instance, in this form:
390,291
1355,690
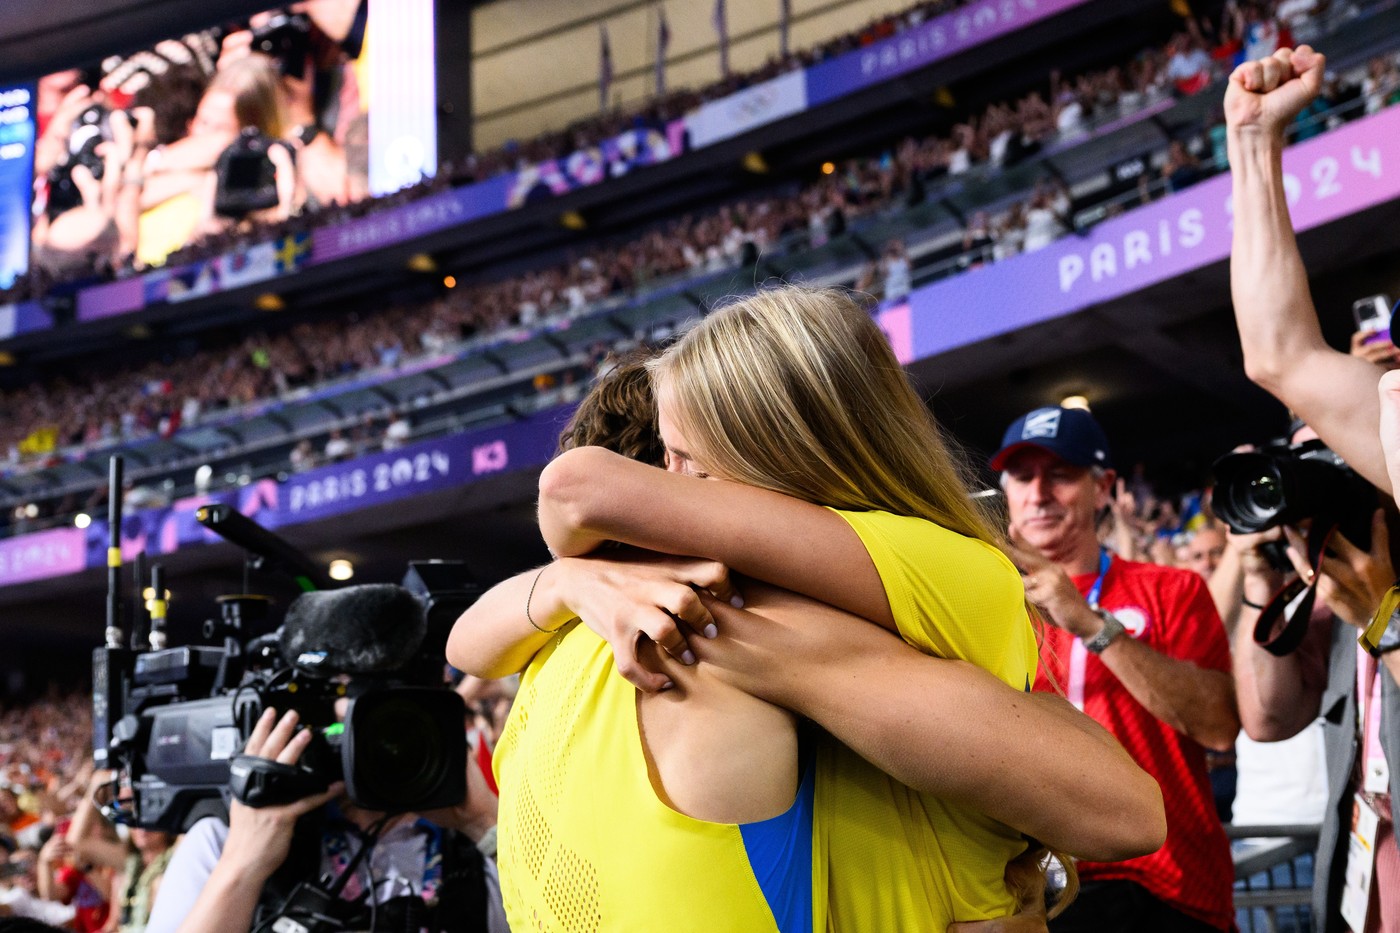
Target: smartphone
1373,318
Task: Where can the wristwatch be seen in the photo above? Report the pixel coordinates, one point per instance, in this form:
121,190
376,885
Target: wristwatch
1112,628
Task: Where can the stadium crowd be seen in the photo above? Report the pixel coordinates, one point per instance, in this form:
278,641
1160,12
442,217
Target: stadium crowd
113,229
158,398
1169,702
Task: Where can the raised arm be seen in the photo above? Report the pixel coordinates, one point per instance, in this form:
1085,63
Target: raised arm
947,728
590,495
1284,351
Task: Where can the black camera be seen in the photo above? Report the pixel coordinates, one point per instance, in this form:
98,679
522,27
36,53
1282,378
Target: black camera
1287,484
362,666
286,38
246,176
90,130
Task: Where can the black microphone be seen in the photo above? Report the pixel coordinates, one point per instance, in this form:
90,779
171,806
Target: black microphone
236,528
372,628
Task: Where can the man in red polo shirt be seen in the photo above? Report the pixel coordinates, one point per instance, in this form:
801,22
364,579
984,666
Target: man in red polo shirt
1141,649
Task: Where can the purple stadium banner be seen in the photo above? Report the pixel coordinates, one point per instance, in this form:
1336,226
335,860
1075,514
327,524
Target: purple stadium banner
398,224
940,38
42,554
441,463
613,158
1326,178
110,299
23,318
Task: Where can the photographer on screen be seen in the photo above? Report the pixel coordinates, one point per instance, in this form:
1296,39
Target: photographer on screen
218,878
1355,692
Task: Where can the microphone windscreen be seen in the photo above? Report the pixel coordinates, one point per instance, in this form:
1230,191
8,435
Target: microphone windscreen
366,629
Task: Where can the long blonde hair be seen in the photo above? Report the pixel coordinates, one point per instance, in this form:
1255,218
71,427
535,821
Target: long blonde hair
796,390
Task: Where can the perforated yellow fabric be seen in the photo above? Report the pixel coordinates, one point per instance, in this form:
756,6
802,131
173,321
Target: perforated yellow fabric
585,844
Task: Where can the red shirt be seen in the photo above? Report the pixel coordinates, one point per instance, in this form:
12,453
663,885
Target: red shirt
1171,612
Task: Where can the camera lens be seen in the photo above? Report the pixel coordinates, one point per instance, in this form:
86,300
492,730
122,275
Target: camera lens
408,749
1266,493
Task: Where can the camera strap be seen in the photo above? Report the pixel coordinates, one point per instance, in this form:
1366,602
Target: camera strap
1283,622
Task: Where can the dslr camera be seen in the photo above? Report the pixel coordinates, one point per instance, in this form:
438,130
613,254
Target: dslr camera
246,179
91,129
1285,484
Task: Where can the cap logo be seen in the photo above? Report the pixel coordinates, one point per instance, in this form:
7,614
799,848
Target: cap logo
1043,423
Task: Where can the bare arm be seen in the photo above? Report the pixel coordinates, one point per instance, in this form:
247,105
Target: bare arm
590,495
88,836
943,727
618,594
258,839
1284,351
1195,701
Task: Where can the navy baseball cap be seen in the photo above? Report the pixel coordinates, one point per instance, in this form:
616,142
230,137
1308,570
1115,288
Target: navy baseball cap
1071,434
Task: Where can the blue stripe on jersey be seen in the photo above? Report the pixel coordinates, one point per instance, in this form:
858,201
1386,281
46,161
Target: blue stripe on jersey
780,853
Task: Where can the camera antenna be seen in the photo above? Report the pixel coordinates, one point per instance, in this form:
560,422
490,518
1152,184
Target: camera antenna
140,620
158,607
114,552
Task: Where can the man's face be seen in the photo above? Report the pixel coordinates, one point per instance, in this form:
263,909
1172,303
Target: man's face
1203,552
1053,503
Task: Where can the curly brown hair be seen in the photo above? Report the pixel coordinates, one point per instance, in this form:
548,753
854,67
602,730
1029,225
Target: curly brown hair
619,413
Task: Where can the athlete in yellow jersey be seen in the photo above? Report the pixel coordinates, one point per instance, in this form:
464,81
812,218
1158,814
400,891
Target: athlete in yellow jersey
951,858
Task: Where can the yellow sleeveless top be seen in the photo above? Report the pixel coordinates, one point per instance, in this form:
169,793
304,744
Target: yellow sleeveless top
898,859
586,845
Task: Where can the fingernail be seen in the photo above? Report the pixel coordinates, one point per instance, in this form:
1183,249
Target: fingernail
736,601
711,630
688,657
668,685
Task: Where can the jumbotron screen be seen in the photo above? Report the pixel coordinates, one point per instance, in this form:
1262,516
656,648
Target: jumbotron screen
222,132
16,170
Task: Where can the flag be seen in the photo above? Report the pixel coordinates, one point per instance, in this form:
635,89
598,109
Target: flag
663,45
722,29
605,67
784,21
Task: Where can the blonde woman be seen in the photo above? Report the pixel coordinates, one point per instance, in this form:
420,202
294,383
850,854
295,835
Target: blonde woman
715,777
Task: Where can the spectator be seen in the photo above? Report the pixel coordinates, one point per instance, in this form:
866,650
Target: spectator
895,270
1181,169
1188,65
1142,650
1202,551
337,447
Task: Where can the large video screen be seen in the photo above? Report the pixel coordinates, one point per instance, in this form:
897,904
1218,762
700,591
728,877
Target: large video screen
222,135
16,170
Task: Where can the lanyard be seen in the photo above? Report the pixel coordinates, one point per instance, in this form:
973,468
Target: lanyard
1078,654
1105,561
1375,773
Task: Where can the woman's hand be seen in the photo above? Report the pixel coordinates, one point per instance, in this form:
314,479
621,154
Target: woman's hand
627,595
259,838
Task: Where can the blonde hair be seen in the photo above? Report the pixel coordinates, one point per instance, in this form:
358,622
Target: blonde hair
252,82
796,390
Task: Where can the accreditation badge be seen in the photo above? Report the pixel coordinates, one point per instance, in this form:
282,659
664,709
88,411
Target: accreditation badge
1361,864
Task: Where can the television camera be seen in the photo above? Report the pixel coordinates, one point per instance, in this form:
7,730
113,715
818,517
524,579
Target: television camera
361,665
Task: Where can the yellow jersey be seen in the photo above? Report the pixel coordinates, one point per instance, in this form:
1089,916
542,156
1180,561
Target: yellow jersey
896,859
585,844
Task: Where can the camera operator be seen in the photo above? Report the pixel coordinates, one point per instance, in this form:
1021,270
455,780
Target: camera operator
216,879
